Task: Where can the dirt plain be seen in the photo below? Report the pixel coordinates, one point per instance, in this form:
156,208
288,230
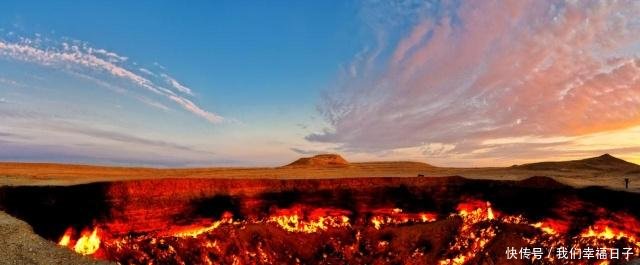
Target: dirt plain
20,245
605,170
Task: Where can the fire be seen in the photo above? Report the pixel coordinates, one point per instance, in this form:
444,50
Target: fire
609,233
87,244
490,215
377,221
396,216
195,232
428,217
617,227
552,227
471,239
545,228
66,238
605,233
476,210
294,220
346,238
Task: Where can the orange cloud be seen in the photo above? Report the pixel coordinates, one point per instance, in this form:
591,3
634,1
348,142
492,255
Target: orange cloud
495,69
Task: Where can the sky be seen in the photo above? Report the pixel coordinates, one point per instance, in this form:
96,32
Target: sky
260,83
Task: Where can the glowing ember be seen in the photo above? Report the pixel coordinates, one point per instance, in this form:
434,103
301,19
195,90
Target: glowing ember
397,216
545,228
472,237
195,232
490,215
475,209
282,237
552,227
294,220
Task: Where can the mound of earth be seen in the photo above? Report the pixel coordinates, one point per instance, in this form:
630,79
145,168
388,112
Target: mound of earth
324,160
541,182
604,162
20,245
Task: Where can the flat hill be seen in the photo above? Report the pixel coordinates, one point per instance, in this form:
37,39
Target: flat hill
604,162
324,160
337,161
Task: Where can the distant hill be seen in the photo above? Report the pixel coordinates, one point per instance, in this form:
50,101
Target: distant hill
337,161
324,160
575,173
604,162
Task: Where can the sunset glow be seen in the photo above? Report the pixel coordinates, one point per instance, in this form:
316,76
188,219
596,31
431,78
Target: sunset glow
444,82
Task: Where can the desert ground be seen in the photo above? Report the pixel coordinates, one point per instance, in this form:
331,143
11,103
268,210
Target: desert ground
605,170
19,244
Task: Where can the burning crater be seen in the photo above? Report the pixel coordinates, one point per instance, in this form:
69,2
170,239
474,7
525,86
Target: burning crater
339,221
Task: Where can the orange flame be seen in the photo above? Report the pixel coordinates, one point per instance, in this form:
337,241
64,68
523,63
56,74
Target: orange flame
195,232
476,210
294,219
489,212
66,238
471,241
88,243
397,216
552,227
480,226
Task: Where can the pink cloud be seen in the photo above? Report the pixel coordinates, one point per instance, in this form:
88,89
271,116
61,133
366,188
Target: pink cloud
494,69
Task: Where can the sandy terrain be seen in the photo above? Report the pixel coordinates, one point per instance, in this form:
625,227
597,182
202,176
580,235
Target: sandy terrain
605,171
21,246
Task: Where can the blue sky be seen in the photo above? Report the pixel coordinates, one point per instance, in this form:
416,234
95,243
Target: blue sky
163,83
231,52
261,65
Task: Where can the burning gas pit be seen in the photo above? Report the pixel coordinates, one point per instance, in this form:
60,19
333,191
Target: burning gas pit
341,221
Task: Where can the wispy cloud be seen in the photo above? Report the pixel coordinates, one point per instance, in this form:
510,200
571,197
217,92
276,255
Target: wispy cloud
118,89
482,70
187,104
68,153
147,71
125,138
10,82
177,85
306,152
77,141
78,56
